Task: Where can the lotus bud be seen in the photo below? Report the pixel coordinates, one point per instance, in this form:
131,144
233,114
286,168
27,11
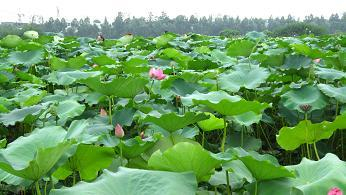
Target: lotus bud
142,135
305,107
335,191
156,74
94,65
103,112
317,60
118,131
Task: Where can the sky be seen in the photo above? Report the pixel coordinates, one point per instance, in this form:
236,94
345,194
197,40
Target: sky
99,9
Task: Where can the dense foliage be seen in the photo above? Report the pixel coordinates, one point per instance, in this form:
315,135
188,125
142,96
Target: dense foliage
156,25
172,114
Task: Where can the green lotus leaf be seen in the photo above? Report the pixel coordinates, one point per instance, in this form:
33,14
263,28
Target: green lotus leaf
296,62
262,167
163,40
10,179
241,48
34,156
173,122
70,77
133,182
184,157
338,93
103,60
232,108
177,56
307,95
69,109
126,39
29,97
119,87
88,161
11,41
312,177
18,115
290,138
329,74
247,118
243,76
213,123
26,58
238,175
31,34
213,96
134,147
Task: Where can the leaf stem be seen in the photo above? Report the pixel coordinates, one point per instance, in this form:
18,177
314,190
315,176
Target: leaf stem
229,188
316,151
110,110
38,191
224,134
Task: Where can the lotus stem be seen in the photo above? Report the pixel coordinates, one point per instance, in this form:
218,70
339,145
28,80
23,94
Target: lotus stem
74,178
52,182
151,87
224,135
316,151
203,137
229,188
308,151
38,191
121,152
256,188
110,110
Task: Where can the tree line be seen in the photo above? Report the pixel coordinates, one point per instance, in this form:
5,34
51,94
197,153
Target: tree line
156,25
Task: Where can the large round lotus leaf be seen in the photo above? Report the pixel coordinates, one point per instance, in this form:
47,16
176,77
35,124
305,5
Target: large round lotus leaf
262,167
232,108
296,62
238,175
313,177
338,93
290,138
163,40
307,95
134,147
126,39
29,97
67,78
11,41
119,87
69,109
133,182
213,123
33,156
31,34
247,118
172,121
10,179
88,161
243,76
177,56
241,48
329,74
18,115
213,96
26,58
184,157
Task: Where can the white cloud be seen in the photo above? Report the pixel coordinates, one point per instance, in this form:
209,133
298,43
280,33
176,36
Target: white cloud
109,8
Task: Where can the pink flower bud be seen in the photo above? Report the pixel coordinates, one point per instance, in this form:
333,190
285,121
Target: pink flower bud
317,60
103,112
156,74
94,65
118,131
335,191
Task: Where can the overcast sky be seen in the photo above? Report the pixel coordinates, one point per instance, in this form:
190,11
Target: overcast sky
98,9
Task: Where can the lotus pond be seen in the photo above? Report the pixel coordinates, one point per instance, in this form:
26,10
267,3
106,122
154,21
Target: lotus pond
173,114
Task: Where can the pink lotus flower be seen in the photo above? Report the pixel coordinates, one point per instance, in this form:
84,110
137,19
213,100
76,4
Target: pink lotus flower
335,191
156,74
317,60
118,131
103,112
